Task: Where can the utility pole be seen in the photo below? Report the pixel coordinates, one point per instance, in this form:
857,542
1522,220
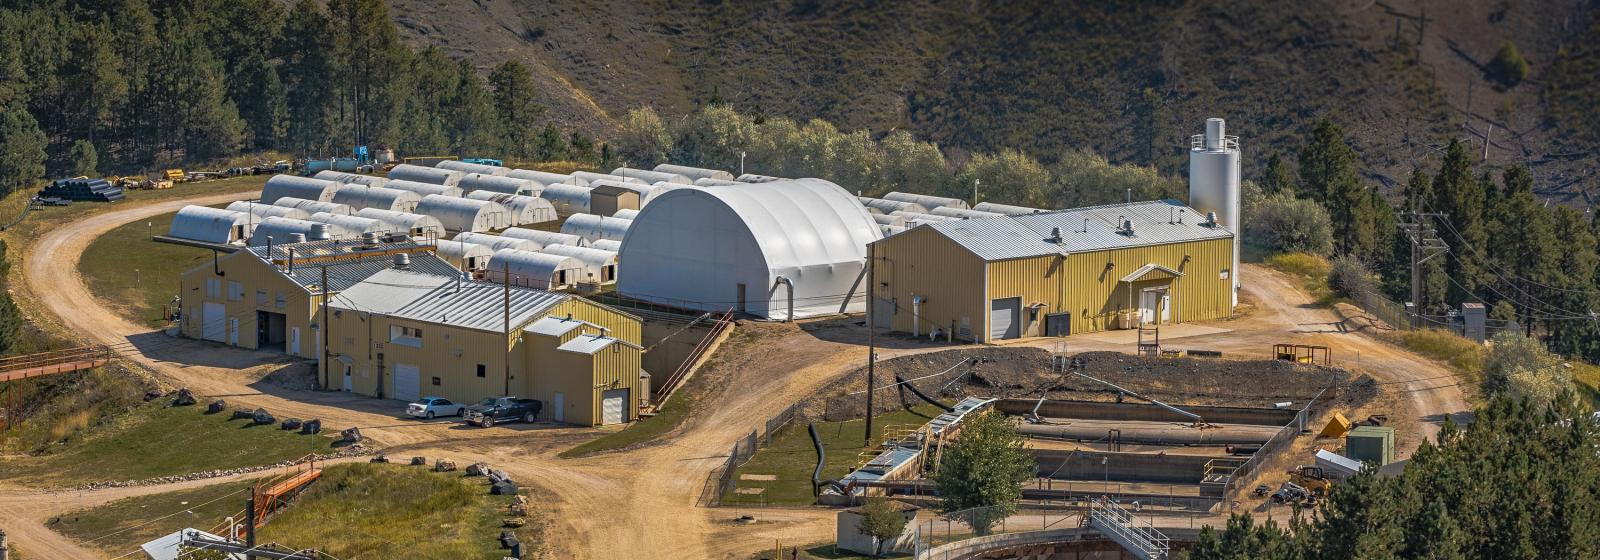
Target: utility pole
508,328
1425,245
250,520
975,183
326,359
872,350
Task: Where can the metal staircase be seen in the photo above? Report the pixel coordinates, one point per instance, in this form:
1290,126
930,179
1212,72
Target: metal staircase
1120,525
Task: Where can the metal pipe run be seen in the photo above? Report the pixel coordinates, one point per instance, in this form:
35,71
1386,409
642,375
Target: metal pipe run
1198,421
790,284
914,391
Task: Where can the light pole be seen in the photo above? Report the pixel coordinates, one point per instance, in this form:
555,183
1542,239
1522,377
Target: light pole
975,191
1108,473
741,162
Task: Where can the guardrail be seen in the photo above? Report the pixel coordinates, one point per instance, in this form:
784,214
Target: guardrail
43,363
666,388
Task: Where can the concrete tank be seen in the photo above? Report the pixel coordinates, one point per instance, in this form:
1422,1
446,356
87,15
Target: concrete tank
1214,178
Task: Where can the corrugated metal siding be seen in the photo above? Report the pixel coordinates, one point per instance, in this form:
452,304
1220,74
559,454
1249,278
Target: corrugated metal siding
255,275
1093,293
1012,237
921,262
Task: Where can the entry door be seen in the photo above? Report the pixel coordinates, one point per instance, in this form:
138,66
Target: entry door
1166,308
614,406
294,340
740,299
213,322
233,331
561,408
1148,301
348,382
407,382
1004,315
883,313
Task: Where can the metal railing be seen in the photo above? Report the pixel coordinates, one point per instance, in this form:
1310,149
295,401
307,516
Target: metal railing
57,361
663,391
1135,534
972,523
778,422
1246,473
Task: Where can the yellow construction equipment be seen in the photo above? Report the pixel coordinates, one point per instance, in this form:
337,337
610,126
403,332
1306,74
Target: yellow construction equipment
175,175
1310,478
1337,427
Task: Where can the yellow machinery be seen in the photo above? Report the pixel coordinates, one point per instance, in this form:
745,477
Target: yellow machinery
175,175
1311,478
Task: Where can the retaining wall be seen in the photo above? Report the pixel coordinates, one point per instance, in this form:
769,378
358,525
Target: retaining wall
1121,467
1147,412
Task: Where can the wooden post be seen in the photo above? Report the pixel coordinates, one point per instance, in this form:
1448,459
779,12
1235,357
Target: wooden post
250,519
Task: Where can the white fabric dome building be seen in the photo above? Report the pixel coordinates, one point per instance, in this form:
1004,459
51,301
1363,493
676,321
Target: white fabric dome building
724,247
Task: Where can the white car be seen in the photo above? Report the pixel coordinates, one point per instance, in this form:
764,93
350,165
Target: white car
429,407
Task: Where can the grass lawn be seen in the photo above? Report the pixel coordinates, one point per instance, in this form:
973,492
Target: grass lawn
672,415
120,527
152,441
816,551
792,457
1312,272
357,510
135,275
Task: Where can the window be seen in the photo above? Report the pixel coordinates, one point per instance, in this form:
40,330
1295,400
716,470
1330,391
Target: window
405,335
435,381
482,371
235,291
283,300
213,287
261,298
442,402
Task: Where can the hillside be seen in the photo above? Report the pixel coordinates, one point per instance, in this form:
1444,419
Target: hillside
1403,75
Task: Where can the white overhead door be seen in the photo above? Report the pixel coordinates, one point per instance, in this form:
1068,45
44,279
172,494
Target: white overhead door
407,382
213,321
614,406
1003,315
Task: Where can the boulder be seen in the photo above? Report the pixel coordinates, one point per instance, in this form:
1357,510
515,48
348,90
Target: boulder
508,538
154,394
444,465
243,413
515,522
419,460
261,416
503,488
478,469
351,435
381,459
499,476
519,509
311,427
292,423
216,406
185,397
521,500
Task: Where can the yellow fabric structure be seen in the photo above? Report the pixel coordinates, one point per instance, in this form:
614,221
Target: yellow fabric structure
1337,427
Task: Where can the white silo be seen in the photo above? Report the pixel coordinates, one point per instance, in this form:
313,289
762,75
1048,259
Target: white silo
1214,183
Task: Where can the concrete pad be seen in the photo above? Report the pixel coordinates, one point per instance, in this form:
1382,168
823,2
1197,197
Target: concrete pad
1168,333
749,490
758,477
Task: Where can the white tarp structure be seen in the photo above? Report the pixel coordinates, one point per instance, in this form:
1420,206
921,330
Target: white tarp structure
312,206
887,206
383,198
496,243
649,176
753,178
928,201
646,192
718,248
474,182
351,178
279,186
695,173
420,174
887,220
567,199
1007,209
267,210
282,229
594,228
463,256
212,225
415,224
464,214
962,213
534,270
716,183
424,189
546,177
599,265
355,224
464,167
626,214
544,238
607,245
590,176
523,209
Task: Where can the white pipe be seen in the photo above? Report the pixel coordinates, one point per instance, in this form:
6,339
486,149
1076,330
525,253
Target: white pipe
916,316
790,284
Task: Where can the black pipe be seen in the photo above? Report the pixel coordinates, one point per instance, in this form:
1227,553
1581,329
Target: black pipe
816,476
914,391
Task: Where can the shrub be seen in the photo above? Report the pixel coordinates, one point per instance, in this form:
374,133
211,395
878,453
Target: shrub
1508,65
1285,223
1349,277
1522,366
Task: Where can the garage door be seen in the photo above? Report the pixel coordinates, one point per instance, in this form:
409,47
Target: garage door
614,406
1003,316
213,321
407,382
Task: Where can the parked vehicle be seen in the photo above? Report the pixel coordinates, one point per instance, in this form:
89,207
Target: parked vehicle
429,407
502,409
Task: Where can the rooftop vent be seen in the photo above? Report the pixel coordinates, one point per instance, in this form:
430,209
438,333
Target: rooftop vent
297,237
1127,227
402,261
1211,219
1055,235
319,232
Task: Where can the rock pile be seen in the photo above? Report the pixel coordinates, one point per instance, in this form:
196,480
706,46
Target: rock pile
351,435
185,397
261,416
313,426
478,469
292,423
352,451
444,465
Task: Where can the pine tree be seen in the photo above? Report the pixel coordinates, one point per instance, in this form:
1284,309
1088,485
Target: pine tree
22,147
580,149
94,87
1457,194
1152,129
1579,292
1277,178
513,95
85,159
551,147
310,86
1531,258
474,128
1327,170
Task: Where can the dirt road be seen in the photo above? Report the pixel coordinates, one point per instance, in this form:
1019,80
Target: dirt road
642,501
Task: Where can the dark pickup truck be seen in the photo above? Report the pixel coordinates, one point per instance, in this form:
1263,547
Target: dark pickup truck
502,409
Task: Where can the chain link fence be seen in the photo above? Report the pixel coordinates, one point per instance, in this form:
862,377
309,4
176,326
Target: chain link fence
720,481
1247,474
1397,317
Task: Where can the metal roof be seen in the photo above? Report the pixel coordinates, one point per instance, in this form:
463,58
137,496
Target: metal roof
1083,230
441,300
589,344
557,326
347,272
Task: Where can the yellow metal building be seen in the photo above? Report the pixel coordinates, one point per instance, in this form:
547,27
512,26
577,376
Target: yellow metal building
403,334
1055,273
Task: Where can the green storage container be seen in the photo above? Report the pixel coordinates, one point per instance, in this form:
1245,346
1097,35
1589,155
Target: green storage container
1370,444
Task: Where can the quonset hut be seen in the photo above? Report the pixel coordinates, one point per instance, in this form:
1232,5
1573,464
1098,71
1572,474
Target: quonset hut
424,189
354,224
313,206
282,230
594,228
420,174
464,214
474,182
546,177
568,199
522,209
466,257
267,210
212,225
279,186
600,265
650,177
545,238
928,201
351,178
415,224
382,198
803,238
464,167
496,243
534,270
695,173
